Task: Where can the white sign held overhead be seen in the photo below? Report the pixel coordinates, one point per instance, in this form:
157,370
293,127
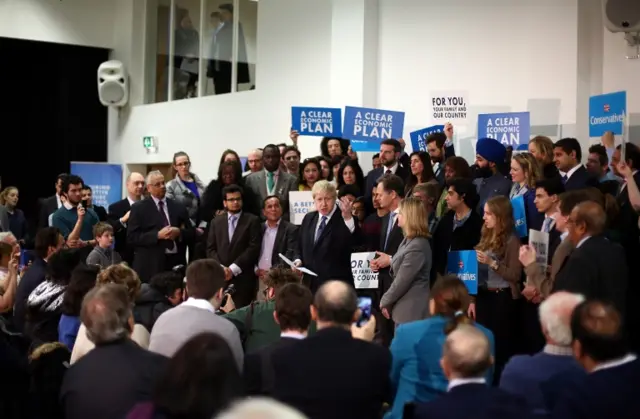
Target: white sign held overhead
448,106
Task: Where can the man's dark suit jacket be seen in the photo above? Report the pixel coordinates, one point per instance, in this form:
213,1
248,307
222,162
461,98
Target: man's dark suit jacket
372,179
33,277
243,250
102,213
596,269
477,401
608,393
128,375
47,207
330,256
258,368
286,242
117,210
580,179
333,375
395,238
145,221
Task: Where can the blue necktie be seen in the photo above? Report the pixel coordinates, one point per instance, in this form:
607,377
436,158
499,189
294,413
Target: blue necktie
389,228
546,224
564,179
323,224
232,226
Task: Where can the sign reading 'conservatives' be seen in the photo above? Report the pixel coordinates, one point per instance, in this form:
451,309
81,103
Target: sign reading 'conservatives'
606,113
318,122
366,127
511,129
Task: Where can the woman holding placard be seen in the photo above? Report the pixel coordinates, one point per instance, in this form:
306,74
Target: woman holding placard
407,299
499,274
525,173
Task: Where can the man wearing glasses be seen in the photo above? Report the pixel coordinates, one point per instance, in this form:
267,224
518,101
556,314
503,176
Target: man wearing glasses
159,230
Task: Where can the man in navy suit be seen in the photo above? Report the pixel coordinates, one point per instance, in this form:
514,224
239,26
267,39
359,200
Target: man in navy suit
610,390
567,155
465,359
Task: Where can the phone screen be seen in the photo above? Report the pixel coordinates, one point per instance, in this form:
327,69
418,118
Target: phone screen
364,304
84,203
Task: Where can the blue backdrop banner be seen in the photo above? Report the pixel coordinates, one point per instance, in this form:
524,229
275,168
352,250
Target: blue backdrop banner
464,264
367,127
419,137
520,216
606,113
105,181
317,122
511,128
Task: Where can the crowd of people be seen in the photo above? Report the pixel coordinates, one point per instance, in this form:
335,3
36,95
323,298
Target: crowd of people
176,302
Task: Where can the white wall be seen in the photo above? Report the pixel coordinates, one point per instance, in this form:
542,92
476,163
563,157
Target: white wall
77,22
509,55
293,62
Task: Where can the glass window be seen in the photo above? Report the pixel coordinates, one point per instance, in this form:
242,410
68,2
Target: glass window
210,49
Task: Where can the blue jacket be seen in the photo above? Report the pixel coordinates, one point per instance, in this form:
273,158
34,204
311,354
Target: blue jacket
416,350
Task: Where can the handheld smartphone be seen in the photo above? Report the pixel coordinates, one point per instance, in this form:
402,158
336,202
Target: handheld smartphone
364,304
84,203
26,257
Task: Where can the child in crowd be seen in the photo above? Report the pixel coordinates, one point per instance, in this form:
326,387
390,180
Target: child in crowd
103,254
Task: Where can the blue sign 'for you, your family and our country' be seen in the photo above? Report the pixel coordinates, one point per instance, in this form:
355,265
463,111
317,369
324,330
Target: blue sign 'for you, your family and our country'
464,264
510,129
317,122
366,127
606,113
419,137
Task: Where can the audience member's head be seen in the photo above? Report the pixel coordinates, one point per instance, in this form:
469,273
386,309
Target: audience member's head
390,191
542,149
456,166
103,233
466,353
293,308
555,317
435,146
413,218
107,315
121,274
83,280
48,241
170,284
72,189
598,334
461,194
61,264
59,182
587,219
547,195
9,239
450,298
567,201
324,196
335,304
276,278
206,281
567,154
261,408
597,161
201,379
632,157
428,193
156,185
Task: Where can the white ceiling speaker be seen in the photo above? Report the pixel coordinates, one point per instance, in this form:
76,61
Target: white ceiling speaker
113,84
621,15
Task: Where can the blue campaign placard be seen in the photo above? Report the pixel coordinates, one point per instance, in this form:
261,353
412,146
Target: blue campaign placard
520,216
243,162
419,137
367,127
606,113
105,181
511,128
317,122
464,264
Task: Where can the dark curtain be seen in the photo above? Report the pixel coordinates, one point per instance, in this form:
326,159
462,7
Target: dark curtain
50,114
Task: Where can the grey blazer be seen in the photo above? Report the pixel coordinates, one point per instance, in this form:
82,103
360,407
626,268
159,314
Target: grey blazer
177,191
408,297
496,185
286,183
4,219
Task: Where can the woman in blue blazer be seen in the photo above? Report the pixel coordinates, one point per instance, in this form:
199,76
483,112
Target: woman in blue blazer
416,349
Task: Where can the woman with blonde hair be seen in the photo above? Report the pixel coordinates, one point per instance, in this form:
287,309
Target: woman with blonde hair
123,275
407,299
17,221
525,173
499,274
542,149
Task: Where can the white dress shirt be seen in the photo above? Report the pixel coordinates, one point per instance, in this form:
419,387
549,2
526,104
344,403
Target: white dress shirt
199,303
351,225
292,335
58,200
393,169
581,242
268,242
572,171
462,381
615,363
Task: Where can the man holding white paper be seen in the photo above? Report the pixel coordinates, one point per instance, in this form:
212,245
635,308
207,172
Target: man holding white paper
327,237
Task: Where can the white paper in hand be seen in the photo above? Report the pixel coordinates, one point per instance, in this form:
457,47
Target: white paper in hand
300,268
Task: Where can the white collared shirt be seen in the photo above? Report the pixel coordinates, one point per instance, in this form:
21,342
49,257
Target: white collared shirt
349,223
624,185
462,381
292,335
581,242
615,363
131,201
199,303
58,200
572,171
68,206
393,169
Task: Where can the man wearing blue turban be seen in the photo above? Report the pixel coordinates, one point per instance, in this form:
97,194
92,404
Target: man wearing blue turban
490,154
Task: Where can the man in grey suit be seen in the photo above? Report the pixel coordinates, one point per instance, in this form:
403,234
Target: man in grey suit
490,155
4,219
272,180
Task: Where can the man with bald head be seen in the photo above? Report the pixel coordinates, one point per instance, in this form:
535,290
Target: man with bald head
159,230
254,160
466,357
332,374
525,375
610,389
597,268
119,213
